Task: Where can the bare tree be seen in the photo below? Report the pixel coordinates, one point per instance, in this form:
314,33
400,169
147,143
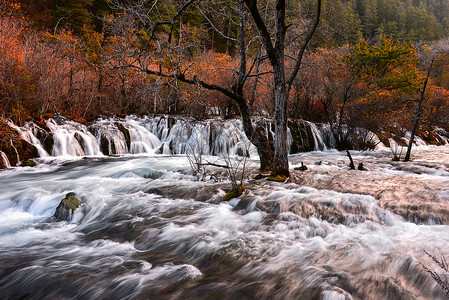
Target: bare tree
145,16
236,168
418,113
282,83
438,48
195,151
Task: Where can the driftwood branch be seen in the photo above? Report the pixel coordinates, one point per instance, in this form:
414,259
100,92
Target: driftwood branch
208,163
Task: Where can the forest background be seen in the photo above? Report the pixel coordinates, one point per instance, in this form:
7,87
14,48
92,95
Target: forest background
364,67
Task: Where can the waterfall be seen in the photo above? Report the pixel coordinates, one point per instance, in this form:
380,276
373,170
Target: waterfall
71,138
29,133
317,137
60,136
5,160
141,140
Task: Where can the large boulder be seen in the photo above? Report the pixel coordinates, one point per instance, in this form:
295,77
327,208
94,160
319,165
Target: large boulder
67,207
302,136
14,147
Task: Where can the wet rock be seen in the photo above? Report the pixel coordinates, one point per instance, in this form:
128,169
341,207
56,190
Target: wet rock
80,140
14,147
302,167
3,165
44,135
361,167
67,207
48,143
270,207
28,163
159,150
234,194
262,175
302,136
104,145
244,203
126,133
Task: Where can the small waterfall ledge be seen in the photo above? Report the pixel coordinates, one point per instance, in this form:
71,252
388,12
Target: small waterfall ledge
169,135
4,162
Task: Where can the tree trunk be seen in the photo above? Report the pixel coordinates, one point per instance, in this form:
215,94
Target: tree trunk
417,115
351,161
280,165
258,138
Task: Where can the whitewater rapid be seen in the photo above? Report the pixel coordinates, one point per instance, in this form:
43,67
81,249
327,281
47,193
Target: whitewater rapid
149,229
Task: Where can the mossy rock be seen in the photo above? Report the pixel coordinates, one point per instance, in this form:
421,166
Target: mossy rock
72,201
233,194
28,163
67,207
277,178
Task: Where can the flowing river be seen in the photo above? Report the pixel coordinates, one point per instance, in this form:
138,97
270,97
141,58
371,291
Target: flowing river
150,230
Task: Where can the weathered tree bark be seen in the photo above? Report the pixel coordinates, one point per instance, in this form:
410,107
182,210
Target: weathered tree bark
417,114
280,166
258,138
282,86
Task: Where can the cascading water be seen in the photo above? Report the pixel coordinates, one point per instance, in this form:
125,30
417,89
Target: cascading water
71,138
319,141
149,230
5,160
29,133
161,135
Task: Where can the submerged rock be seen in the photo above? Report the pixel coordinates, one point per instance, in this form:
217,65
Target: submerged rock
67,207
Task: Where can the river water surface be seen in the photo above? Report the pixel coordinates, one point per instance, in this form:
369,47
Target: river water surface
150,230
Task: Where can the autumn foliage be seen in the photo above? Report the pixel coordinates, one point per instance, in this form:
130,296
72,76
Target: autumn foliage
373,86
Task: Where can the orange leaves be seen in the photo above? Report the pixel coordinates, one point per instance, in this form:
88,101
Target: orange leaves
11,32
213,66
